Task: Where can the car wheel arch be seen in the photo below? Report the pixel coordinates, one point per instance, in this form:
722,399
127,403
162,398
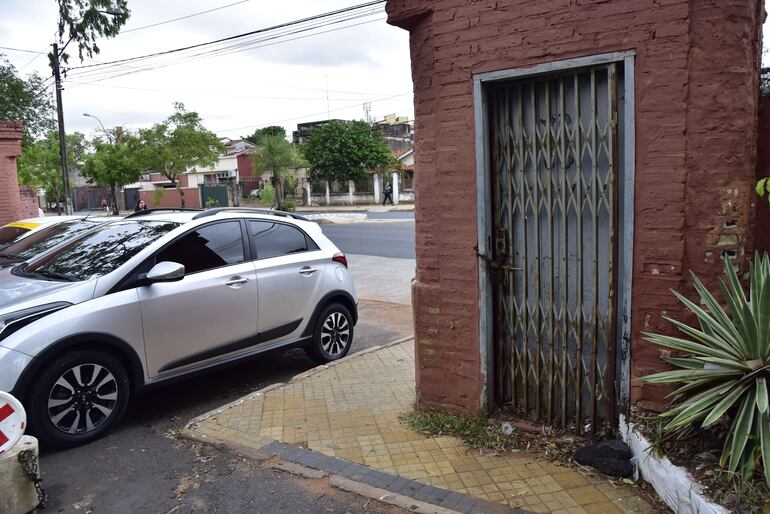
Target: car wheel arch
337,296
105,342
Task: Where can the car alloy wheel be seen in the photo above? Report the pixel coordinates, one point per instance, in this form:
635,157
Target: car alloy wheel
335,334
82,398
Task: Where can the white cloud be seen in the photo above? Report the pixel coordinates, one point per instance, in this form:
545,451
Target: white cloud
278,84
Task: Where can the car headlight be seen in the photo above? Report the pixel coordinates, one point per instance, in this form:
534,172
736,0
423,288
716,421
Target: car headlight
13,321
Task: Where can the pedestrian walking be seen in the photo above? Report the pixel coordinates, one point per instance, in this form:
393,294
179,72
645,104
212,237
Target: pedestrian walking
388,192
141,205
104,204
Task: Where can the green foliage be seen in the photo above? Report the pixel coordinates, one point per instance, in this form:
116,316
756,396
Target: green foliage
763,187
40,163
82,21
267,197
25,100
211,202
289,205
472,431
157,195
178,143
726,367
113,165
277,156
271,131
344,151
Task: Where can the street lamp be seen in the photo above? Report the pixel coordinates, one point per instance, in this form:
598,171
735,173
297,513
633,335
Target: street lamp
109,136
113,189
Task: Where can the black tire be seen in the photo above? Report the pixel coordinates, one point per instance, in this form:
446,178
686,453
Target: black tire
102,386
331,343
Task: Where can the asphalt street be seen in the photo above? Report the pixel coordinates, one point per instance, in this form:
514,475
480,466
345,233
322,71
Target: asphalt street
142,467
385,239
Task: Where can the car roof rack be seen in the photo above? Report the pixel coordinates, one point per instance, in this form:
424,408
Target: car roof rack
252,210
147,212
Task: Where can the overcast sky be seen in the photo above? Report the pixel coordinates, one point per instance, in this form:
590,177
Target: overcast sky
284,83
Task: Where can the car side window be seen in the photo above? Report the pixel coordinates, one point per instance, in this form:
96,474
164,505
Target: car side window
276,239
205,248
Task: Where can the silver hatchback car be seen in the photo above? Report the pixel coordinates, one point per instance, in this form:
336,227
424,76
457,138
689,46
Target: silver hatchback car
162,295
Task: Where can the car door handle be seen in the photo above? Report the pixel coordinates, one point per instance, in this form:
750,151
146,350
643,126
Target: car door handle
236,281
307,271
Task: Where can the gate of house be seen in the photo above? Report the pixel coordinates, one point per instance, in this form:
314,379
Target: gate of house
217,194
554,162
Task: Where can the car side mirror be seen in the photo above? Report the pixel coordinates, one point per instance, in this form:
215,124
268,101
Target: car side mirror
165,271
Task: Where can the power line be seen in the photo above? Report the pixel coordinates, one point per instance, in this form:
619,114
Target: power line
20,50
200,93
231,38
183,17
106,74
313,115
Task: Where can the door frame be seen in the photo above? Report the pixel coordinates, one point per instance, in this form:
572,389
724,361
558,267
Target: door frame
625,217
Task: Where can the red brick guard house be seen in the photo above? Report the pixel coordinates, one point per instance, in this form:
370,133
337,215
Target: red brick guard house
576,158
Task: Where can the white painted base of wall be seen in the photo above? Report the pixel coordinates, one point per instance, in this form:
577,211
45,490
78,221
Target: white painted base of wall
673,483
17,492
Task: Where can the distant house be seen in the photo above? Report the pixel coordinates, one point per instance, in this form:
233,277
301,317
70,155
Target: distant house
300,136
398,132
234,168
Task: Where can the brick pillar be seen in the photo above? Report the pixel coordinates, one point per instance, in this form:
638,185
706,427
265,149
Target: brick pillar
10,149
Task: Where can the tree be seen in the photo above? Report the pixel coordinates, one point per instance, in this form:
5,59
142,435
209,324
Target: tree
114,165
275,154
82,21
40,163
271,131
178,143
25,100
344,151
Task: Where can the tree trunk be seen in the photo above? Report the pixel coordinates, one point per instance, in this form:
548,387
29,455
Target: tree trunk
178,187
115,203
278,186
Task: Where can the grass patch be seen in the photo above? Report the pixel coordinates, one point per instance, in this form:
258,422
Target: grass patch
474,432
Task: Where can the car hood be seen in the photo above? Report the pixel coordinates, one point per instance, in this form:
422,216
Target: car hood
17,292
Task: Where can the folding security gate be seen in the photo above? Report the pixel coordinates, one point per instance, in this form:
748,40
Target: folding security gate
554,162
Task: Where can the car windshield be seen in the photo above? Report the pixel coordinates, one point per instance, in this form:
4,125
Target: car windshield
11,234
97,253
45,239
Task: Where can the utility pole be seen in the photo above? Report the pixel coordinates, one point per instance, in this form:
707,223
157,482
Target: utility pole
62,139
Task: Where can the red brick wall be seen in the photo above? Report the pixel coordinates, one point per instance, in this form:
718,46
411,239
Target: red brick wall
10,148
761,232
696,101
245,167
29,202
171,198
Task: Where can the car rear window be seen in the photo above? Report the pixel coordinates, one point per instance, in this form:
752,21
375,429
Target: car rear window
276,239
99,252
9,235
46,238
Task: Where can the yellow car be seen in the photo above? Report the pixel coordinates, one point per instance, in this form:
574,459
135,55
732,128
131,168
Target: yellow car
12,232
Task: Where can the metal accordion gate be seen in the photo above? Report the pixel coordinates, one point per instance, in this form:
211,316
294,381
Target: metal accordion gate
554,162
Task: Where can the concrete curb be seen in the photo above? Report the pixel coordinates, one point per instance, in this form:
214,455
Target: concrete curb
674,485
384,496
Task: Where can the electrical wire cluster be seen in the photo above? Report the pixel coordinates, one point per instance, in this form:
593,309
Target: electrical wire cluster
347,17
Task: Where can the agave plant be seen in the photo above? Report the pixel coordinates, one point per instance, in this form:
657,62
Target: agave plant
726,367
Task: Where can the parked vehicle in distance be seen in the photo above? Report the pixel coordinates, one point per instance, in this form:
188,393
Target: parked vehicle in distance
159,296
12,232
255,193
47,238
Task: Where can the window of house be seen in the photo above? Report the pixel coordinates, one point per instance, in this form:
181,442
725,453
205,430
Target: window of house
277,239
209,247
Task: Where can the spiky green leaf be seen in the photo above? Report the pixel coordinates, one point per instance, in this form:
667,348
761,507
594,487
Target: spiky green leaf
726,402
742,427
762,396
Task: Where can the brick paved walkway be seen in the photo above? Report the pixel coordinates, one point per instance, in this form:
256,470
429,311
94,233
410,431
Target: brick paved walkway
350,410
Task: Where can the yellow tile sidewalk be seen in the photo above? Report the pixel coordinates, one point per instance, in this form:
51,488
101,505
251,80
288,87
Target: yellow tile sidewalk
351,410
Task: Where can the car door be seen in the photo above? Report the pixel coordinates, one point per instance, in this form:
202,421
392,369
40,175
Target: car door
210,312
289,275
